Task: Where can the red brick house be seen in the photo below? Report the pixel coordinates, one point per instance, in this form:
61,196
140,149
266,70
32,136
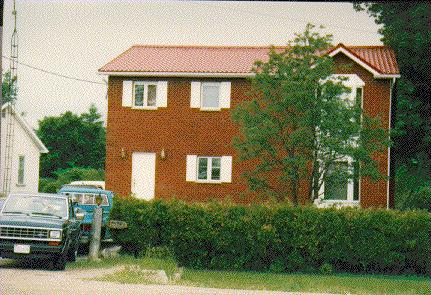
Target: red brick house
169,128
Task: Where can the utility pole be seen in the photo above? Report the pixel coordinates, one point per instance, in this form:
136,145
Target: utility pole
10,117
1,74
97,229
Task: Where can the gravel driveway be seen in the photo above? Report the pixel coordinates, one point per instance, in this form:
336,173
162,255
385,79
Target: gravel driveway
26,280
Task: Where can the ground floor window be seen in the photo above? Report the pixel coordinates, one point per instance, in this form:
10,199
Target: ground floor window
342,181
209,168
21,163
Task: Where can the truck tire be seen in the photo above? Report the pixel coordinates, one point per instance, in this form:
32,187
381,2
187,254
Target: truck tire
58,262
72,253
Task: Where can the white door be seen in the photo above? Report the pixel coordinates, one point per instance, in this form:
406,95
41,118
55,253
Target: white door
143,175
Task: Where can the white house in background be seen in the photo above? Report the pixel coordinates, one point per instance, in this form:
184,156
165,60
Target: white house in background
27,148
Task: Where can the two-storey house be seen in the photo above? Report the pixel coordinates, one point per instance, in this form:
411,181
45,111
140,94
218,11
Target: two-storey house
169,127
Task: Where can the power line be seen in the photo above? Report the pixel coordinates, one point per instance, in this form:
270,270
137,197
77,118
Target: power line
56,74
280,17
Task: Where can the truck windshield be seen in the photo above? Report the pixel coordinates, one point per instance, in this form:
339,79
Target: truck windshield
87,198
36,205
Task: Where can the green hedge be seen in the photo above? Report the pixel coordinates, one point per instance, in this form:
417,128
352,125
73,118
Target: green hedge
278,238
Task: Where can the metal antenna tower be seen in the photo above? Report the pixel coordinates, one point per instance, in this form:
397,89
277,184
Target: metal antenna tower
10,120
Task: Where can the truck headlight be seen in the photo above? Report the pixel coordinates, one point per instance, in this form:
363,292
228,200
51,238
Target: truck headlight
55,234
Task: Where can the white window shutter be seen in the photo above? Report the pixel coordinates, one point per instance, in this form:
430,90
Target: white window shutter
225,91
195,97
162,94
191,167
127,93
226,169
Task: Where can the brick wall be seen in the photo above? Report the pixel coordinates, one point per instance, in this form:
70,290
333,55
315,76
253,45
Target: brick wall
181,130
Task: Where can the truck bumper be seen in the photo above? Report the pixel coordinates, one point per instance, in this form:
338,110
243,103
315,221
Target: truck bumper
38,250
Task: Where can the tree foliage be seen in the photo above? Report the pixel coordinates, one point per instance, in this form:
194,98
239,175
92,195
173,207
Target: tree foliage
9,88
50,185
297,126
406,29
72,141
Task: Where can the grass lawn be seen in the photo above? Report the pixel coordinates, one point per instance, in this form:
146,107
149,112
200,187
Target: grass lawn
294,282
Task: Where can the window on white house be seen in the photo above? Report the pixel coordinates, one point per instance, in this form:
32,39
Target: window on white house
209,168
210,96
145,94
21,163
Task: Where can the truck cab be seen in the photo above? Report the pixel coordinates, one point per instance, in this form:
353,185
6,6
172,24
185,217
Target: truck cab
84,198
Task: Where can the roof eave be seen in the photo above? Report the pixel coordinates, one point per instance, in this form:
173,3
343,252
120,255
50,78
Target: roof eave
178,74
376,74
42,148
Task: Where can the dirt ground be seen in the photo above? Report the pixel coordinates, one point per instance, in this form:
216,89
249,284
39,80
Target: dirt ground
24,279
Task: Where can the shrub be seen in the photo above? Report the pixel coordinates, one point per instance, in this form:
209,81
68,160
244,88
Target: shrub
413,187
326,269
162,252
52,185
278,238
420,199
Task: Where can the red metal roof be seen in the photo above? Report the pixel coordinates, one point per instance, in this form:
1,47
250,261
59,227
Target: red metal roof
225,59
380,58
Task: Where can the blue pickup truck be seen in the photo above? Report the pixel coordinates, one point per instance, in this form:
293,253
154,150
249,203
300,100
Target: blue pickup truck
85,198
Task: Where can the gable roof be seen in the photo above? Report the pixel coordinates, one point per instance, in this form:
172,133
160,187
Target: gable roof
42,148
379,60
163,60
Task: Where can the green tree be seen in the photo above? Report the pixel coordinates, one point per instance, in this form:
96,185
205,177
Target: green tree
296,125
50,185
9,90
72,141
406,29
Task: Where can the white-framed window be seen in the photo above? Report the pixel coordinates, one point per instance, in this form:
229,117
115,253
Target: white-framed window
336,182
145,95
210,96
21,169
209,169
359,100
342,181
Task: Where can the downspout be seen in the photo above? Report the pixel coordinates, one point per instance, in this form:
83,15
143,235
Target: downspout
391,158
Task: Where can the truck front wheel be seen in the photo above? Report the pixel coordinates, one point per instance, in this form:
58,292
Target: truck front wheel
58,262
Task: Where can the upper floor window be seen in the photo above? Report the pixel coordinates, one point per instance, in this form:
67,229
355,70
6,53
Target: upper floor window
358,101
210,96
145,94
148,95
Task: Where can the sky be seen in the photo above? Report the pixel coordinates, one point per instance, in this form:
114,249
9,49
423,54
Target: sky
76,38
